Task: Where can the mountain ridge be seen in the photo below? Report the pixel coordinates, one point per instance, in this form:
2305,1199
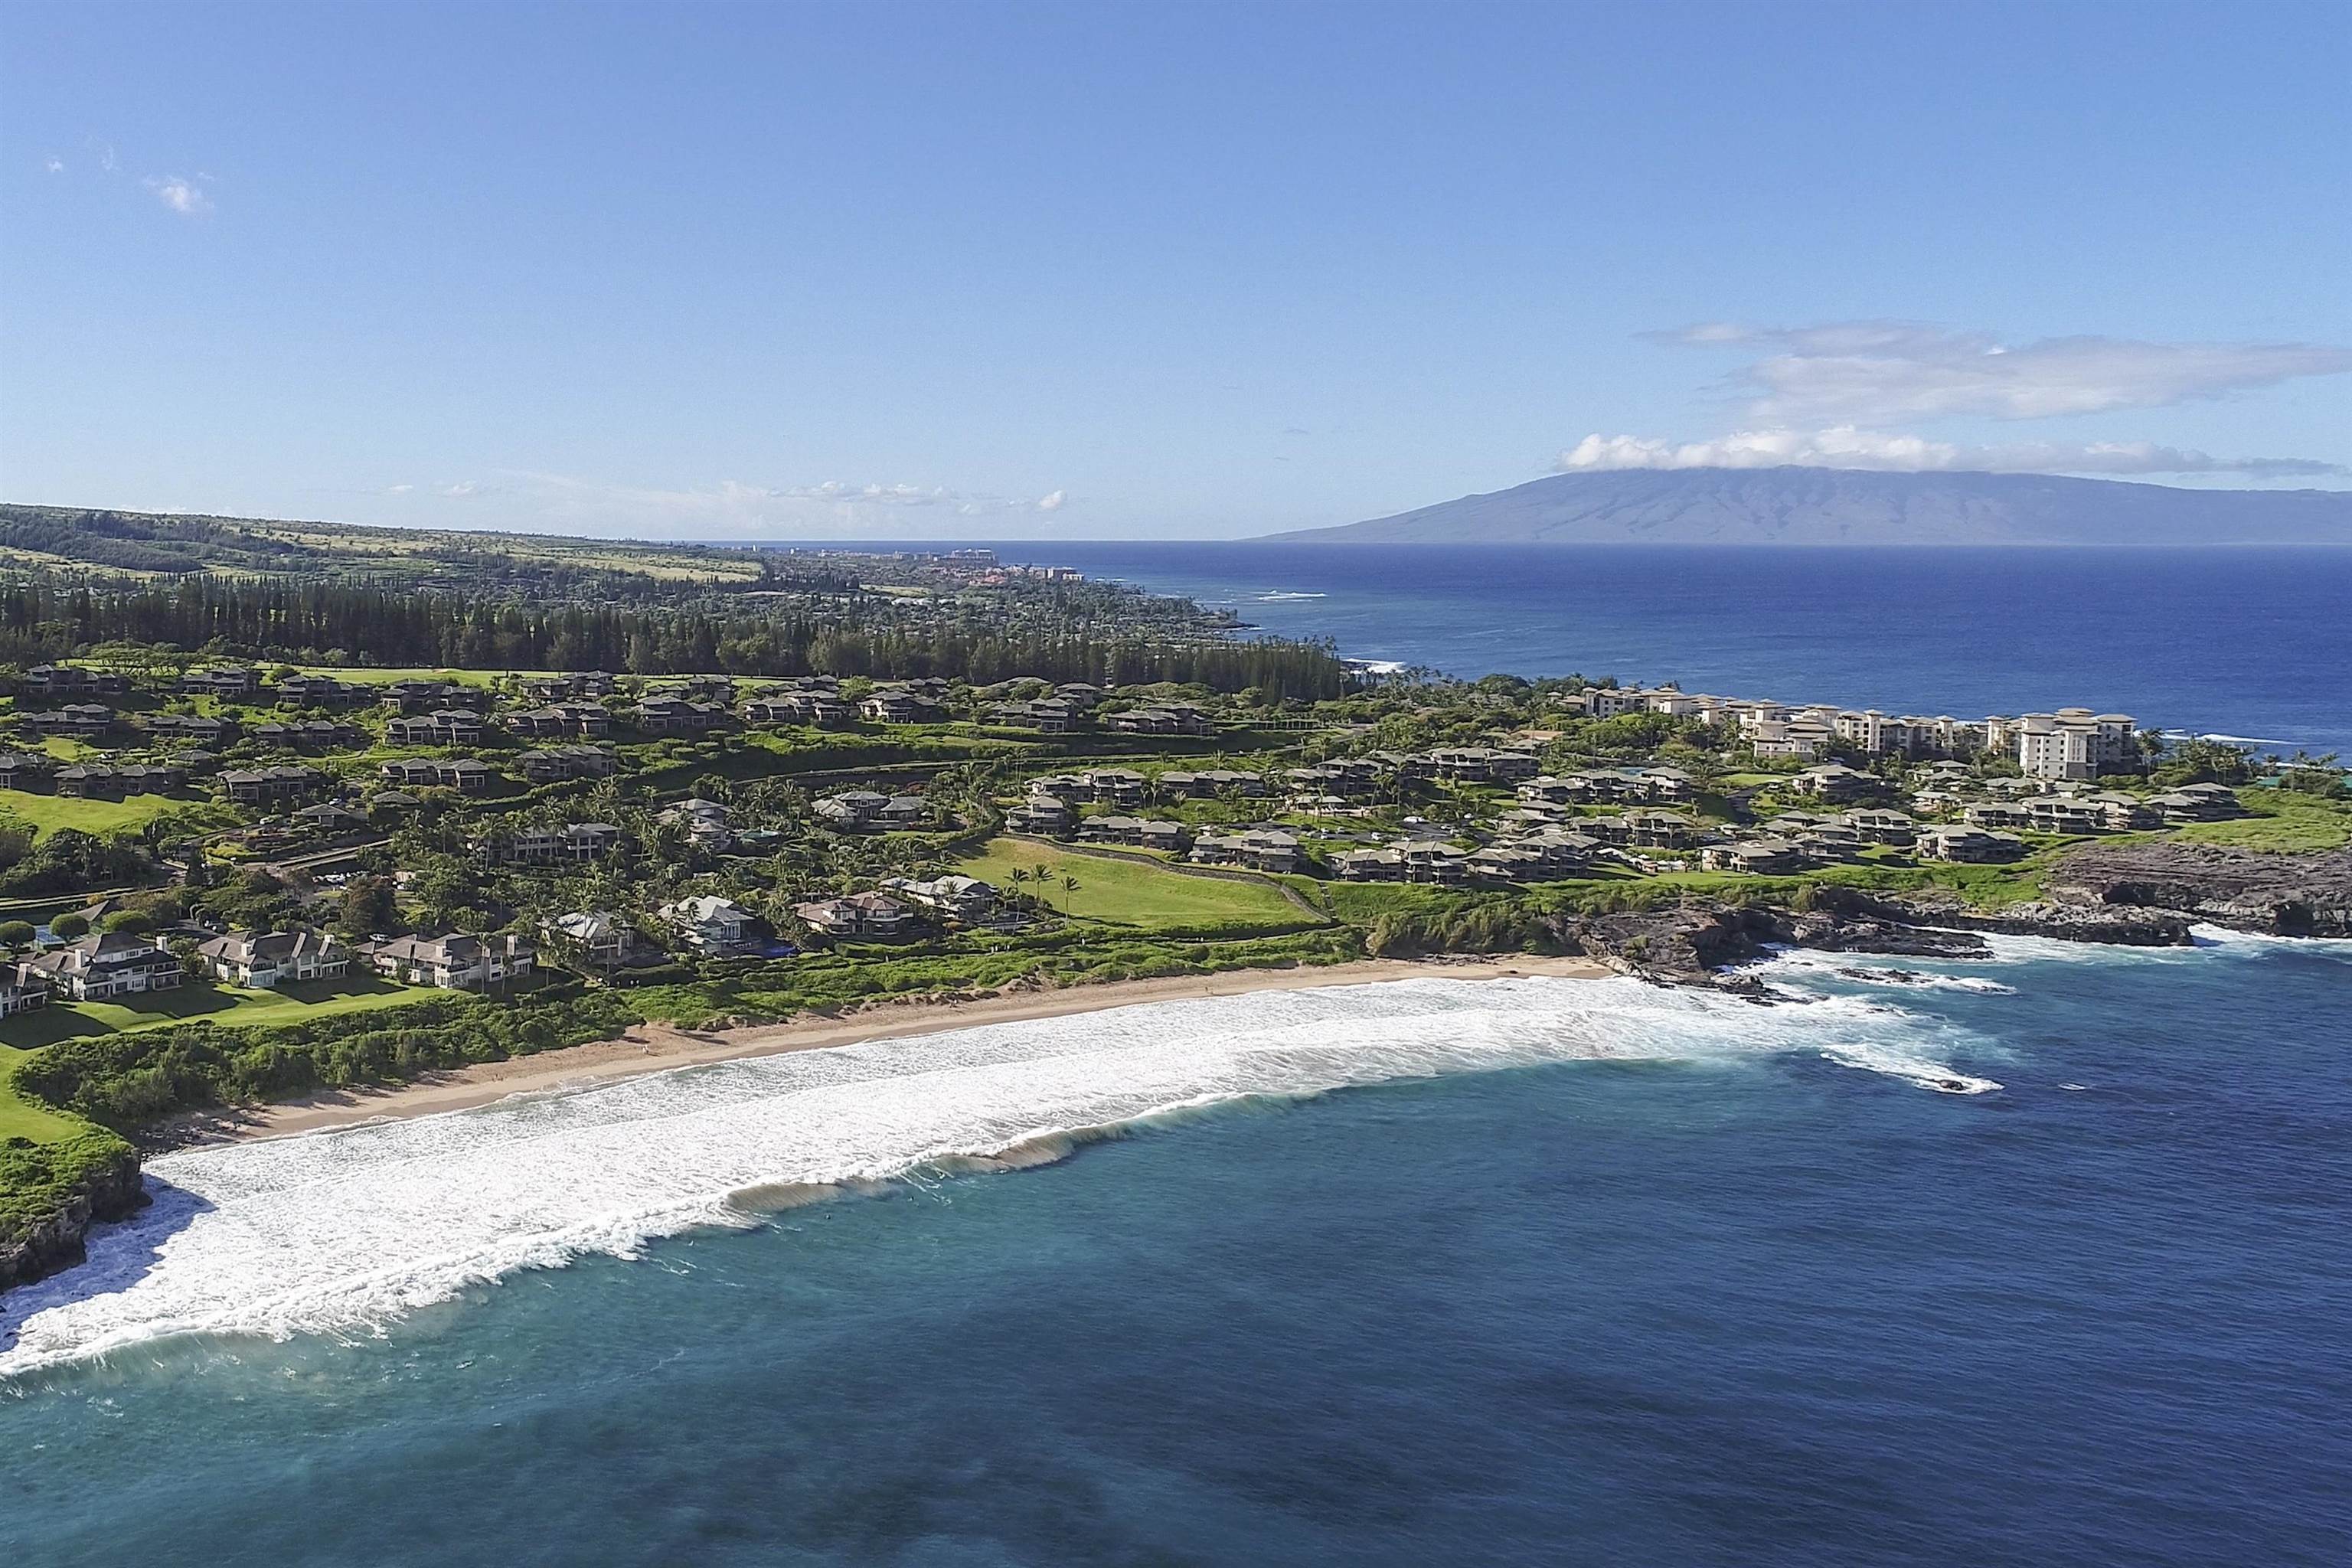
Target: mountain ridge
1810,506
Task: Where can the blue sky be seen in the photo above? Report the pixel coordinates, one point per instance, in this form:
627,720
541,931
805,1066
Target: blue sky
1123,269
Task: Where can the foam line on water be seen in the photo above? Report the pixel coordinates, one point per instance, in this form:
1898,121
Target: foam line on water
346,1230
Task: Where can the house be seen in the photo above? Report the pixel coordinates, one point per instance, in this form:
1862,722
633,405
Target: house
900,706
21,770
1481,764
467,776
260,786
267,960
1755,856
23,989
1434,861
824,709
1995,814
191,729
416,772
441,727
2066,813
1505,863
1117,787
300,690
1881,826
963,898
84,718
1658,829
1208,783
222,680
585,720
553,764
1565,852
1836,781
866,810
1047,716
455,962
415,696
330,819
1369,864
73,680
676,716
1149,833
1259,848
113,964
2196,803
88,782
597,936
1163,719
1967,844
705,822
1041,814
711,925
859,914
585,843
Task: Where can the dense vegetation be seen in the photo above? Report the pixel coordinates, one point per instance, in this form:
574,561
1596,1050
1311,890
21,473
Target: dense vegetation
1061,637
125,1080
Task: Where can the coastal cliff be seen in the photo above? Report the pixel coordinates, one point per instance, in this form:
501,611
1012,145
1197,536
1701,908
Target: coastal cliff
55,1192
2290,894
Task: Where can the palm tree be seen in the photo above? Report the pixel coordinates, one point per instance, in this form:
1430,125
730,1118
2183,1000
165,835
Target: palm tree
1069,886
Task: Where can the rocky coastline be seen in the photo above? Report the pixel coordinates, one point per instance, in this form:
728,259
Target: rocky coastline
2138,895
109,1190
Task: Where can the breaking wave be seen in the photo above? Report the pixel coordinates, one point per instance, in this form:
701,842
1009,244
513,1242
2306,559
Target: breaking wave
345,1231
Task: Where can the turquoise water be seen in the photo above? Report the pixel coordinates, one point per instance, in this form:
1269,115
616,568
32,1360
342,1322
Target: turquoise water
1656,1279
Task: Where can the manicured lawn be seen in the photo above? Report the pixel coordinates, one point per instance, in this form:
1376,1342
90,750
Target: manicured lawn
45,813
2283,822
386,676
21,1118
1128,893
223,1004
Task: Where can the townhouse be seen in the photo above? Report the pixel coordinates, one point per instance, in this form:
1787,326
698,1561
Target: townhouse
264,961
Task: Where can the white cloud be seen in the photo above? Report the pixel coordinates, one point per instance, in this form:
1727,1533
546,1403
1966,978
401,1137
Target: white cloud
465,490
835,508
1845,446
398,490
1875,372
55,165
107,160
183,195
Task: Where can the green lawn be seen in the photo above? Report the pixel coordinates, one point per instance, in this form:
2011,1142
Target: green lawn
2282,822
1133,894
21,1118
223,1004
45,813
386,676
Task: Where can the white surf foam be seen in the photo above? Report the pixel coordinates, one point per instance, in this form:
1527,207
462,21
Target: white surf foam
344,1231
1876,969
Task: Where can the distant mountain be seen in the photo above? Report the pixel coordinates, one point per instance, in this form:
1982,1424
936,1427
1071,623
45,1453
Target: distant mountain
1843,505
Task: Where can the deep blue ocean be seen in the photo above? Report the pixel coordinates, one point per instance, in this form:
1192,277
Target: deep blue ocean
2249,643
1513,1272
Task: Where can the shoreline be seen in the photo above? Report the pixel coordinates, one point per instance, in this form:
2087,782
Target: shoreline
658,1048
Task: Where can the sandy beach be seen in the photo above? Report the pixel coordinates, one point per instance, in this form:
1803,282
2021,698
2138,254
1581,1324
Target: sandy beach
653,1048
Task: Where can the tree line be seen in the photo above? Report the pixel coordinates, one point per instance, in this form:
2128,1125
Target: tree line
330,621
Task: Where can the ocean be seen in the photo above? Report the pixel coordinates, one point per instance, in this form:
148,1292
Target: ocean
2028,1260
2252,644
2025,1262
